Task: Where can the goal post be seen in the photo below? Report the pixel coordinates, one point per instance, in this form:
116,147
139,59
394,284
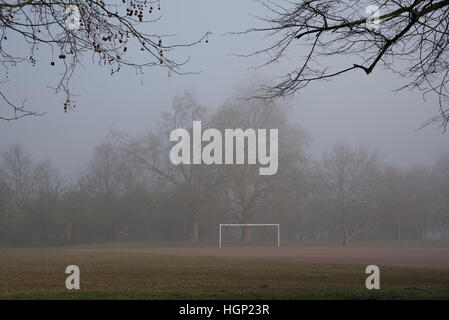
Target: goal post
249,225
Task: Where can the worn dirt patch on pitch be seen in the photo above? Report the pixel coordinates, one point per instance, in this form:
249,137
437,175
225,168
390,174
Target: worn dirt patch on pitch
401,257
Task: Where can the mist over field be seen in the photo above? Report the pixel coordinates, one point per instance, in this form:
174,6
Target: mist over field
130,190
351,148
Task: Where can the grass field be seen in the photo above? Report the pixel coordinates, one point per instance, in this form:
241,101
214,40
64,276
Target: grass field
38,273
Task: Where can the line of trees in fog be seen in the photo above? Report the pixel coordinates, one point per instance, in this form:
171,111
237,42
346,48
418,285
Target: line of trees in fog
130,190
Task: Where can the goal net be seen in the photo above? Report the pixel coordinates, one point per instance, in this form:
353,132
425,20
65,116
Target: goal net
269,228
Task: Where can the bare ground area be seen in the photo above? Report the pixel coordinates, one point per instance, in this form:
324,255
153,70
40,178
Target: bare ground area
128,272
401,257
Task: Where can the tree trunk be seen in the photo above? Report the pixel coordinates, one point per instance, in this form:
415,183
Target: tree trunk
246,234
246,231
44,233
194,233
346,239
68,235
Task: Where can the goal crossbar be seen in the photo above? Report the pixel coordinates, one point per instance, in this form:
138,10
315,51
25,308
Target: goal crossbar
248,225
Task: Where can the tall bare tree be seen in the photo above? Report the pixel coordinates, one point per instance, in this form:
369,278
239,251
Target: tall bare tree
106,179
49,191
247,192
19,173
195,184
21,177
350,178
394,199
442,193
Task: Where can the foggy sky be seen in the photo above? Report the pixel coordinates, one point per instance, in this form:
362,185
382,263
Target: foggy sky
356,108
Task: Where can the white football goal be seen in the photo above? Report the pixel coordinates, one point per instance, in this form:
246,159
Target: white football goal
248,225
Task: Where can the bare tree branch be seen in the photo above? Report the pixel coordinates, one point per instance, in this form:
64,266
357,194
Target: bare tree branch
412,41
